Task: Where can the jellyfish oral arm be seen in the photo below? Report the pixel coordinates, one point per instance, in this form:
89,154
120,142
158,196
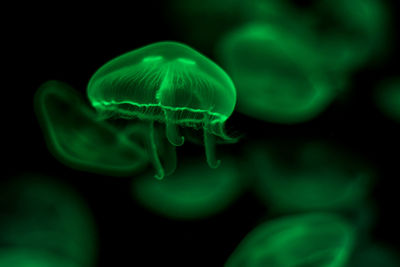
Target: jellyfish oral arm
172,133
209,143
154,153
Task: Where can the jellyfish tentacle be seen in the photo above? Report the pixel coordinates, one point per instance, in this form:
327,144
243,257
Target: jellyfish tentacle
154,153
209,143
172,131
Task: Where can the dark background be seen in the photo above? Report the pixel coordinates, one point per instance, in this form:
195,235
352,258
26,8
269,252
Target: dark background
69,43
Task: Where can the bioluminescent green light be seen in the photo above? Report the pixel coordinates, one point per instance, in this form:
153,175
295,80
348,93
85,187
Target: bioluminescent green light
277,73
320,240
170,83
318,176
387,98
351,32
31,257
42,217
275,12
375,255
193,191
78,139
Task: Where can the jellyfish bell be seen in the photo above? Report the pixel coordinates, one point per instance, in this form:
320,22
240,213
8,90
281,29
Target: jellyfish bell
170,83
45,222
194,191
276,71
311,239
312,175
78,139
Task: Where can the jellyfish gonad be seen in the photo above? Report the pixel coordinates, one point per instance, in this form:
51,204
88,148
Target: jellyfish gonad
169,83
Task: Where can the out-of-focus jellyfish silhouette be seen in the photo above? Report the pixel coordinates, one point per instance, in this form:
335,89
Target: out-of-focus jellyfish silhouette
44,222
275,12
387,98
351,32
194,191
77,138
166,82
18,257
316,239
375,255
277,73
310,176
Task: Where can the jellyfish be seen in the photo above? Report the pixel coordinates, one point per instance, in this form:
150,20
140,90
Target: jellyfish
45,221
310,176
169,83
276,12
373,255
194,191
387,98
314,239
23,257
351,32
78,139
277,73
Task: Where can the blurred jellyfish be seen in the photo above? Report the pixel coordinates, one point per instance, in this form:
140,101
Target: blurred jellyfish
277,74
194,191
375,255
275,12
166,82
22,257
75,136
316,239
387,98
44,223
311,176
351,32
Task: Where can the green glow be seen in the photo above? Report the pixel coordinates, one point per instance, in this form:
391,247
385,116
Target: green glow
45,223
193,191
33,258
184,89
319,176
319,239
152,59
353,32
186,61
277,73
375,255
78,139
387,98
275,12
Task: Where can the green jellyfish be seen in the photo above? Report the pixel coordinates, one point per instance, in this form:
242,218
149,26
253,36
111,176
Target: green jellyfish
275,12
45,222
310,176
194,191
387,98
315,239
277,73
20,257
170,83
78,139
351,32
375,255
